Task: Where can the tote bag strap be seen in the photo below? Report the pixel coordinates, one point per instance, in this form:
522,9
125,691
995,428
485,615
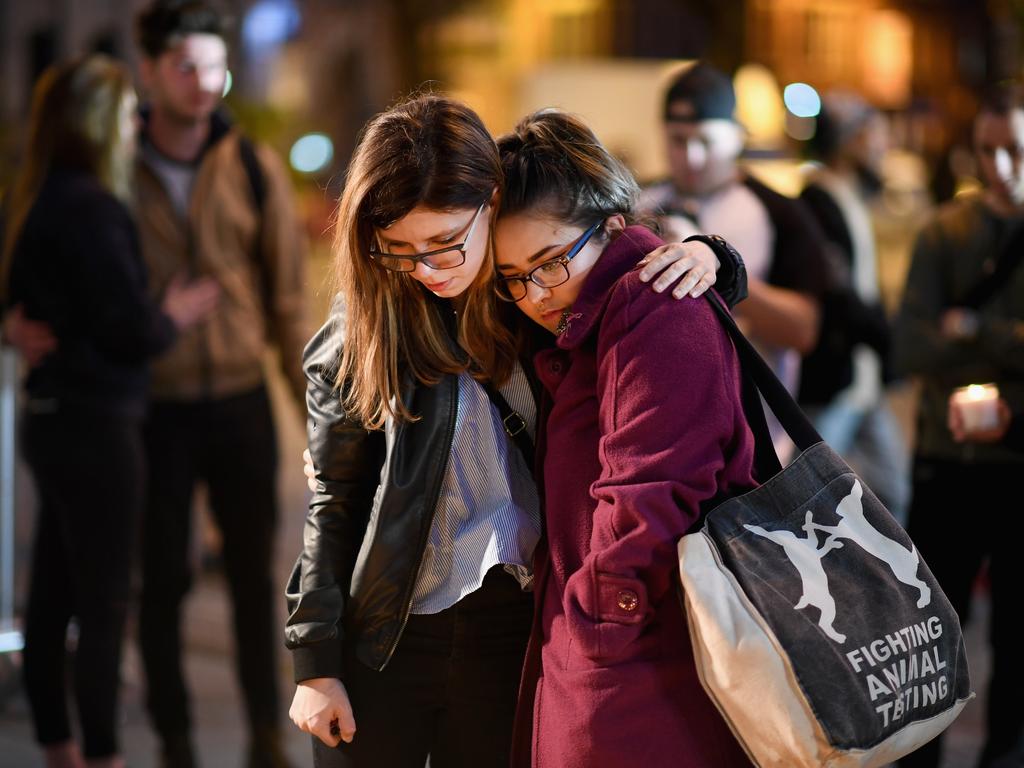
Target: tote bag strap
760,381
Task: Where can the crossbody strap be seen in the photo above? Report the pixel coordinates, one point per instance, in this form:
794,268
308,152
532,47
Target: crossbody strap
513,422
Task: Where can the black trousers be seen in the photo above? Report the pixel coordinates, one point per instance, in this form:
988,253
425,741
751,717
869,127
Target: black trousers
89,473
449,690
959,515
230,445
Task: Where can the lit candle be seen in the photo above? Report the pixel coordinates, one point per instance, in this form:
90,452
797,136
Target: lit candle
976,404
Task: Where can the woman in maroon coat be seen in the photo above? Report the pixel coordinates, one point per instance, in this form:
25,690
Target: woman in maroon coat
645,424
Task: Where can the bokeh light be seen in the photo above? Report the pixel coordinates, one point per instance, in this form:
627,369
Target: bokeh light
802,100
270,23
311,153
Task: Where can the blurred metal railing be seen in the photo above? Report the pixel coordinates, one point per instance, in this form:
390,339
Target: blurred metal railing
10,637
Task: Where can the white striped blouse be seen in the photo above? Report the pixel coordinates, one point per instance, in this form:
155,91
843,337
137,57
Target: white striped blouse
488,512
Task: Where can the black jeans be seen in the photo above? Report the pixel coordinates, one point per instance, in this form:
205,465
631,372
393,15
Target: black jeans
89,473
959,515
230,444
449,690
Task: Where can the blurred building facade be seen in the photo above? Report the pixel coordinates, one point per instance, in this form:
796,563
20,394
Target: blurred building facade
36,33
328,65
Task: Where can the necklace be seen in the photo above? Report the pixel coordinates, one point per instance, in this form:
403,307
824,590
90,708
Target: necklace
564,321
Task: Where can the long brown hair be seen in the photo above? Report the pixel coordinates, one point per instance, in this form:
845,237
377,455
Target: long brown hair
75,124
435,152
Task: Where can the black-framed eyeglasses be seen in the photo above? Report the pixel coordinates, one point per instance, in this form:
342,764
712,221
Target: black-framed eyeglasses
449,257
551,273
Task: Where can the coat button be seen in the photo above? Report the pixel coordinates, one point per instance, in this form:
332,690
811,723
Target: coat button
628,600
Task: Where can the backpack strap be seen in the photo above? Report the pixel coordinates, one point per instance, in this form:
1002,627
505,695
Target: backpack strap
258,188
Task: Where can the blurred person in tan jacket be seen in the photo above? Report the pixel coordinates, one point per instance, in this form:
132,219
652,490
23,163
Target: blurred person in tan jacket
213,202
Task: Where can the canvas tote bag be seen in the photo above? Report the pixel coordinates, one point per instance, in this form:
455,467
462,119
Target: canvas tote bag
817,628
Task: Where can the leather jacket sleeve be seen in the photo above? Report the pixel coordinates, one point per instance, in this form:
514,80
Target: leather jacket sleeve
348,461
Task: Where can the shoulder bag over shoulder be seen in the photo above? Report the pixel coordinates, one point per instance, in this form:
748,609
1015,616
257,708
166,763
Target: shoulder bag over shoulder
817,628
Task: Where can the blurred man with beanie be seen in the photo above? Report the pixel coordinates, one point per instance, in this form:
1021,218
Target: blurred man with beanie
842,380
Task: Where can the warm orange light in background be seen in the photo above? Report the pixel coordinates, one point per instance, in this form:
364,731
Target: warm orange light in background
509,57
288,87
486,53
620,99
759,106
888,57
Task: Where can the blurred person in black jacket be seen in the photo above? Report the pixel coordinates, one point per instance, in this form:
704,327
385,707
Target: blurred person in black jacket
961,322
210,201
71,261
843,379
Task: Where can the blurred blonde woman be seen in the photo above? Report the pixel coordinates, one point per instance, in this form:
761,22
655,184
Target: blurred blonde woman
71,260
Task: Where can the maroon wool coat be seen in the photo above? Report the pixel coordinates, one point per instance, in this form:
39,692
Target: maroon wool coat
646,422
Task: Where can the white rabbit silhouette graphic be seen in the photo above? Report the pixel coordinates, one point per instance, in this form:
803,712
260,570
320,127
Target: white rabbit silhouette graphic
806,556
855,527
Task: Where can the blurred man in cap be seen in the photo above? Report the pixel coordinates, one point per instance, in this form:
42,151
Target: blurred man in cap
709,192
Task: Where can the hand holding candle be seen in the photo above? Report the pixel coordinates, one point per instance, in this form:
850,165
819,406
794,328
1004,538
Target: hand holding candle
976,413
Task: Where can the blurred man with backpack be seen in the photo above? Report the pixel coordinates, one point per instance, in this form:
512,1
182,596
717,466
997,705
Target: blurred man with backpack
211,202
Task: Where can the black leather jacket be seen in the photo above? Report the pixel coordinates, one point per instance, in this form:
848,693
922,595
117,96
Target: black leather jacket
368,523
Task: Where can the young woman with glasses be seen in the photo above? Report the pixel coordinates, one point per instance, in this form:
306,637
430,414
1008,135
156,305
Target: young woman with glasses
645,423
409,610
